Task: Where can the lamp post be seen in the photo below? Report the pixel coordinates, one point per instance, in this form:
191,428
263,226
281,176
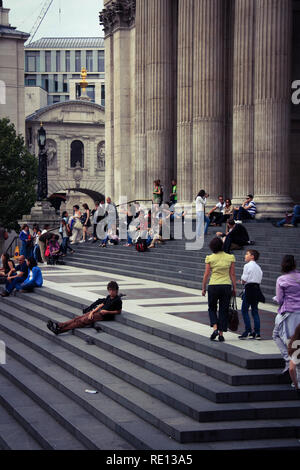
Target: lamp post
42,191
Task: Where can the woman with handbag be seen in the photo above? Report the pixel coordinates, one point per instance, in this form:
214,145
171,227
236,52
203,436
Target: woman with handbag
220,267
75,224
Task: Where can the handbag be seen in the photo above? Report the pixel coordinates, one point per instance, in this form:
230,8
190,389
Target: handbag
78,225
233,316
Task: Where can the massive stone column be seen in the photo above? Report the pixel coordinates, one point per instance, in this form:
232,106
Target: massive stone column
272,105
243,101
141,189
185,100
159,84
208,97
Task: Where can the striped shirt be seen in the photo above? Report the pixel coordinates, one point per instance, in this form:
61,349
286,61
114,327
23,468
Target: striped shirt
252,208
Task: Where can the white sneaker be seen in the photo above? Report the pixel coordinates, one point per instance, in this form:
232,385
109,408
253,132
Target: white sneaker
238,222
91,238
293,386
82,241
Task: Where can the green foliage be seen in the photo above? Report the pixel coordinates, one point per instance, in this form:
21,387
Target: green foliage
18,177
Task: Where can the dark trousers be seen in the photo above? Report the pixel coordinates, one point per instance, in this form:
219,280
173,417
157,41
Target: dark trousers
219,293
83,320
242,214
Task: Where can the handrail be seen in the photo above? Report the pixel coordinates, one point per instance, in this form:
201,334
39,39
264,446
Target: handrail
15,238
134,200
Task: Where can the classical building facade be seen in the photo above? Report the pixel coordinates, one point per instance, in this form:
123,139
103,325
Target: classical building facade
12,72
200,90
75,149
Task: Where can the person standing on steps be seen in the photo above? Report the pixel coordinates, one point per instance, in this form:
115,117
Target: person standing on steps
220,267
106,311
288,298
251,278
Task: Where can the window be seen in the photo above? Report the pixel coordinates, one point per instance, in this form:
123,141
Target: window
32,61
48,61
77,61
100,61
89,61
103,95
65,84
55,84
45,82
77,153
56,98
67,58
30,80
57,61
90,91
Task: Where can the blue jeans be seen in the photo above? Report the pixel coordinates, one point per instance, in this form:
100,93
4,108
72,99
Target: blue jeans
296,216
36,253
14,283
254,312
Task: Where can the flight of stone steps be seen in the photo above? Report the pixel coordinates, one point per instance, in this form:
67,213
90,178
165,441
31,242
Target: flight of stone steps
158,387
172,263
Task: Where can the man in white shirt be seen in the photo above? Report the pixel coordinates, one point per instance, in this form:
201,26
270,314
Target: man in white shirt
216,213
251,277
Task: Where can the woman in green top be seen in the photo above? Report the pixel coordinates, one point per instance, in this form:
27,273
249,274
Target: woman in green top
220,267
156,192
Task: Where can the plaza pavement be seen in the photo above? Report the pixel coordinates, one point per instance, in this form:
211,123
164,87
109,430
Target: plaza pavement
176,306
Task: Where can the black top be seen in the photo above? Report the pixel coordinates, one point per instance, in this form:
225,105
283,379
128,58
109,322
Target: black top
112,304
23,268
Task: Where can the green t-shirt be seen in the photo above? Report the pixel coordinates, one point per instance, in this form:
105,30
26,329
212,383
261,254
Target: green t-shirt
219,264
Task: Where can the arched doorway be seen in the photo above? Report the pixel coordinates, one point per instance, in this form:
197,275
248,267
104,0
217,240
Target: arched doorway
77,153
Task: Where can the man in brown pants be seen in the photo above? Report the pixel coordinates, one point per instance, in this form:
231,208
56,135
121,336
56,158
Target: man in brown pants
103,312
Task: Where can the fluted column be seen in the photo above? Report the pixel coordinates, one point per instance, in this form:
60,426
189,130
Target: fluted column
243,101
159,83
208,97
109,117
185,100
141,190
272,105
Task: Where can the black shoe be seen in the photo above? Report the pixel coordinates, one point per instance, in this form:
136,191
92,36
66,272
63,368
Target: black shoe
4,294
221,338
53,327
214,335
245,335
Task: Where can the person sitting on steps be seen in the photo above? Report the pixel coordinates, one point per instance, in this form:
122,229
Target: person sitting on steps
103,312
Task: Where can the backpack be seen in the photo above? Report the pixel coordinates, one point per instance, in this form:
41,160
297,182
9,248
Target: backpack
141,245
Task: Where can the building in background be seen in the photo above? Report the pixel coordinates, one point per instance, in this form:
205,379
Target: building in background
12,72
200,91
53,67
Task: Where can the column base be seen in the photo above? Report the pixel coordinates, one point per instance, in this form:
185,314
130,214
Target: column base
272,206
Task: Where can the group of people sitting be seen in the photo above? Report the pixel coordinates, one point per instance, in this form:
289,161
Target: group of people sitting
24,276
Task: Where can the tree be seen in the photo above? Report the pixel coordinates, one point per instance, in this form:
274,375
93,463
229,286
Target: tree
18,176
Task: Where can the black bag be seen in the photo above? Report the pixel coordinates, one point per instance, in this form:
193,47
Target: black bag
141,245
233,316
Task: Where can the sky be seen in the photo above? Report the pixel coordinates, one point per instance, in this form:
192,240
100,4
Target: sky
65,18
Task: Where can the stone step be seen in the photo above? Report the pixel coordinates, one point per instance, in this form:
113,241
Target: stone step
178,426
88,432
189,359
200,383
12,435
190,340
45,430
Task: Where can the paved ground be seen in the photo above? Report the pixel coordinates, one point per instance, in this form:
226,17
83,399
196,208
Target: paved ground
177,306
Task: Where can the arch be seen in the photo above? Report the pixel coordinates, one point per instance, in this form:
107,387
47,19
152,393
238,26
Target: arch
77,154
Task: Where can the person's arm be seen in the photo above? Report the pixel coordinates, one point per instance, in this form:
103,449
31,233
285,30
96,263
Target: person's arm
113,312
213,209
95,310
205,278
279,293
233,278
245,275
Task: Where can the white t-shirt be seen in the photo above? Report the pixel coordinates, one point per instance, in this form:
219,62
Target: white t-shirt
200,203
221,206
252,273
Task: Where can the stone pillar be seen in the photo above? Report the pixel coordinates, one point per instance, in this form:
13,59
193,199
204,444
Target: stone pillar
185,101
272,105
109,118
243,101
208,97
140,103
160,95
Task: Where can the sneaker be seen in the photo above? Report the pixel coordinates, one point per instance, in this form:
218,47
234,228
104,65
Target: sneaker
238,222
91,238
257,337
214,335
221,338
245,335
82,241
53,327
254,335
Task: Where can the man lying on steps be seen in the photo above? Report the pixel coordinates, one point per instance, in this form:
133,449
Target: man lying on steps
111,306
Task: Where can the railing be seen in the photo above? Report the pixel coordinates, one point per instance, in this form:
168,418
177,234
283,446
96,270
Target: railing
11,249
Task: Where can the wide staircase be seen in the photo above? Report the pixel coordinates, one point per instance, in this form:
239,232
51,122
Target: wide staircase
158,387
173,263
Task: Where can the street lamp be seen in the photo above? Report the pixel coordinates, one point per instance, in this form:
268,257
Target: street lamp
42,191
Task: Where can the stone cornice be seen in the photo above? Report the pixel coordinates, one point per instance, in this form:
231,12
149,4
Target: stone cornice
120,13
